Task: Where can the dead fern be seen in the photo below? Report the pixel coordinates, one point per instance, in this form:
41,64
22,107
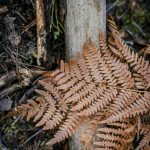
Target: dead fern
106,89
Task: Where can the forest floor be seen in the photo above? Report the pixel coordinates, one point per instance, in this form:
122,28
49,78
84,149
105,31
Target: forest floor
19,70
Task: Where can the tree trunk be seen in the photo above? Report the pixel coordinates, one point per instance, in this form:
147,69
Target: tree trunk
84,20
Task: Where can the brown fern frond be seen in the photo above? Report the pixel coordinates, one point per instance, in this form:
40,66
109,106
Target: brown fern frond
115,137
112,25
146,50
140,106
76,97
52,123
120,70
90,54
144,142
70,125
83,68
74,70
74,89
101,102
32,108
51,87
123,100
93,95
50,110
86,137
103,91
144,129
104,67
138,63
107,145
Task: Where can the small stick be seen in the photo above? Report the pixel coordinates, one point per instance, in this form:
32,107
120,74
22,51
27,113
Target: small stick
26,94
31,137
7,78
26,74
10,89
29,26
13,75
41,32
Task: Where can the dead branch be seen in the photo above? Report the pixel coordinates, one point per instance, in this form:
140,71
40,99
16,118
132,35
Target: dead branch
10,89
41,32
26,76
13,75
7,78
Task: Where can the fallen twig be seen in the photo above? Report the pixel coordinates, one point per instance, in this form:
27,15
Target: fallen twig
7,78
13,75
26,94
41,32
26,76
31,137
10,89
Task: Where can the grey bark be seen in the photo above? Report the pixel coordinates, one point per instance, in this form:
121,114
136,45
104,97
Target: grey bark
84,20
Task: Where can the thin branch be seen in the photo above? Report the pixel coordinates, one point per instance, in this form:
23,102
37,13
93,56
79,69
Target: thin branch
41,32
